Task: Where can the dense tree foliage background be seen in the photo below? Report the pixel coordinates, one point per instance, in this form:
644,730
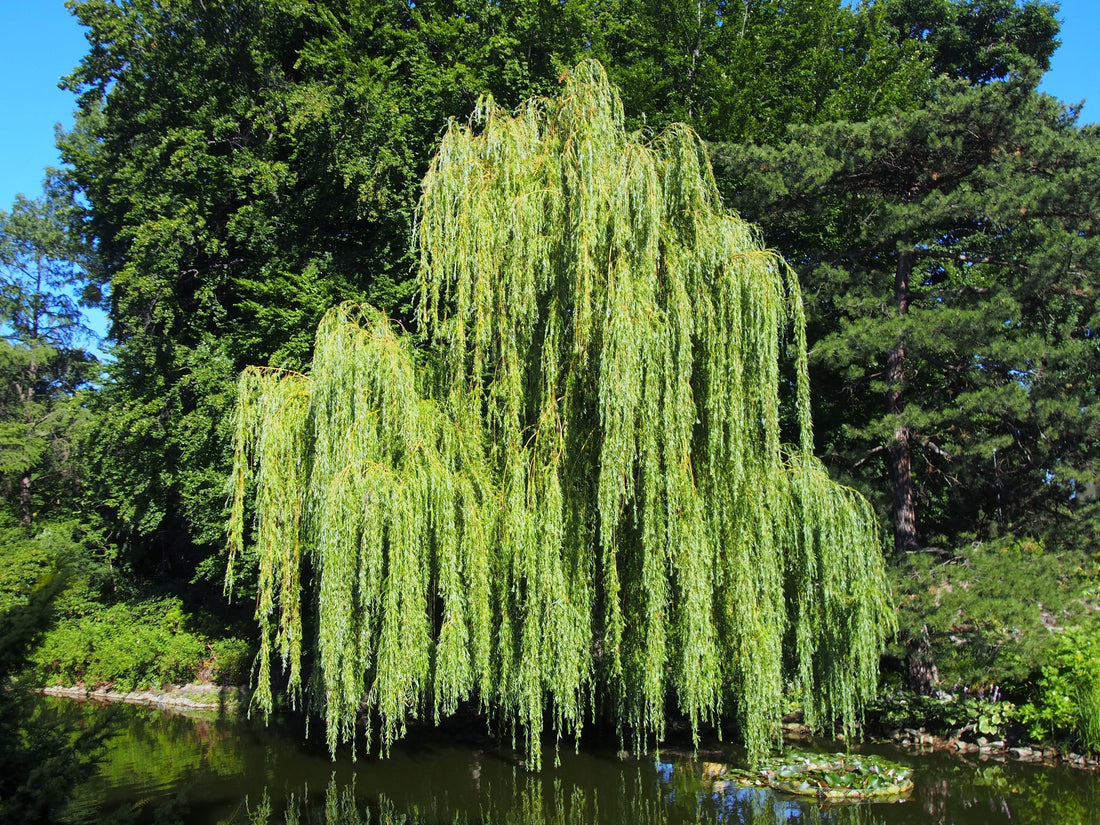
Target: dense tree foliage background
237,169
244,169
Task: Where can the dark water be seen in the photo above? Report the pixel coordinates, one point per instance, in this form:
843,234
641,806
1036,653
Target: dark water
165,768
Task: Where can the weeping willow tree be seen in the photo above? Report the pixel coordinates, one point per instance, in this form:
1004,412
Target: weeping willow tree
569,495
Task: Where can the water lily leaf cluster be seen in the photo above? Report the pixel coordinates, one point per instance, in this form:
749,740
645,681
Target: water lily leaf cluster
567,496
833,777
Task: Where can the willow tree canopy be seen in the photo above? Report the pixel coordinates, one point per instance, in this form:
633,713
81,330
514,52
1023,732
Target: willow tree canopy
569,496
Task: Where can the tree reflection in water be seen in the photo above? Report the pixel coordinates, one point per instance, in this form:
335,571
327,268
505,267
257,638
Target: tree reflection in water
996,791
162,768
538,805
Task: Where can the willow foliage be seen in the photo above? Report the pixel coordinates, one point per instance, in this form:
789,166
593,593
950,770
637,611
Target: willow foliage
571,494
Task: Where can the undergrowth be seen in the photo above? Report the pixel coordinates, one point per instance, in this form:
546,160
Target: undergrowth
993,612
1014,632
96,630
137,645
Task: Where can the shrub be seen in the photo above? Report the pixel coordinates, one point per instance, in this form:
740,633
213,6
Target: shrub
991,610
1066,703
134,645
983,714
230,661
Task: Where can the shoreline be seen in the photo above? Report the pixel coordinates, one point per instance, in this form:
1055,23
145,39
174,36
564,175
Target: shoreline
919,740
229,699
197,697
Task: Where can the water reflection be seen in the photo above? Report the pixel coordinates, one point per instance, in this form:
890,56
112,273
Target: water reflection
164,768
342,806
961,791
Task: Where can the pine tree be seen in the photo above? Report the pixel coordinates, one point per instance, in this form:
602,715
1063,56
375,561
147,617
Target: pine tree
950,258
41,363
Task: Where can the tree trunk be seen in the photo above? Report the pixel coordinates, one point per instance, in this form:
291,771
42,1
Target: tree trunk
897,452
26,397
25,499
922,675
905,514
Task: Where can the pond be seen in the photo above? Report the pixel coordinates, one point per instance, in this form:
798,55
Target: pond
162,767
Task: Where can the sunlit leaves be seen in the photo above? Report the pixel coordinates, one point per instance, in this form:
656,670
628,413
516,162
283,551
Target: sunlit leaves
580,500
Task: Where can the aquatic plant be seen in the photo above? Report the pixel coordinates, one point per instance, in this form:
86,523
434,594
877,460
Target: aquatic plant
832,777
569,495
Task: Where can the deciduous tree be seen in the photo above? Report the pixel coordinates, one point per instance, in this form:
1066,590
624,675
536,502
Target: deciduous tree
573,493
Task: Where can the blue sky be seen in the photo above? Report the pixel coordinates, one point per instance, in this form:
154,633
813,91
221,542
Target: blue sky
40,42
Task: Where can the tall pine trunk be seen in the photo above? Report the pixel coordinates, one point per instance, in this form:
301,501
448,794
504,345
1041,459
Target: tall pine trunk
26,392
898,452
25,514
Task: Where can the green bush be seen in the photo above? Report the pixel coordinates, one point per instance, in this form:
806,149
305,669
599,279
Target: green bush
988,716
1008,618
991,610
1066,704
1088,711
135,645
230,661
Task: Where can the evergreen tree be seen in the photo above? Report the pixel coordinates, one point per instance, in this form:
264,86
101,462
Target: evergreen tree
41,364
41,269
951,258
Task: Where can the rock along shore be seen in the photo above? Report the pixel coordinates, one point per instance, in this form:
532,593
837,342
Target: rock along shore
919,740
222,698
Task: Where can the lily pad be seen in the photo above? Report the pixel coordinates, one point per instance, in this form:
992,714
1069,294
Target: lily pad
830,776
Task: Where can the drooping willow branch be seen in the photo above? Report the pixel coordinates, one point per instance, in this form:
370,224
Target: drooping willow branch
571,491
